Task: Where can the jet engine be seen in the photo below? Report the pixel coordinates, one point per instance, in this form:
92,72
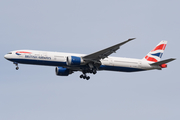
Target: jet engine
60,71
73,60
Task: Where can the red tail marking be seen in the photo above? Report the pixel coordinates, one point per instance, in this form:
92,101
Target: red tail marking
163,66
159,47
150,59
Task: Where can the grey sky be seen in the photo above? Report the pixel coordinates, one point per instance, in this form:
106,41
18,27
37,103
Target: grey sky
78,26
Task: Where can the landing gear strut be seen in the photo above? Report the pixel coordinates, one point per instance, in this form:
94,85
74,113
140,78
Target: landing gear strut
92,68
94,71
17,68
84,76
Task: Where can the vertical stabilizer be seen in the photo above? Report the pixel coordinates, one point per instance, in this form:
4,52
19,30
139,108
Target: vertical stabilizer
156,54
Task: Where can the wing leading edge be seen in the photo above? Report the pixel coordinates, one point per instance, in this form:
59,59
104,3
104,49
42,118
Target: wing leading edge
105,52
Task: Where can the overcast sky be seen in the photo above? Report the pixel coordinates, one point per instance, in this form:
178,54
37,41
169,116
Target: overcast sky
80,26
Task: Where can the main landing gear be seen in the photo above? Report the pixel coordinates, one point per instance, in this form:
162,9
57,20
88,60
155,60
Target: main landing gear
17,68
84,76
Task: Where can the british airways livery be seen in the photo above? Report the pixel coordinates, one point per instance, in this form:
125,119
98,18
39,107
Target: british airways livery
68,63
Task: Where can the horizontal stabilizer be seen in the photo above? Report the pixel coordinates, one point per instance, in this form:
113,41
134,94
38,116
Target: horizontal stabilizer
163,61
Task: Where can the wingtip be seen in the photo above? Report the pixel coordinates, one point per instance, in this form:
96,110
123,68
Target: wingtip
131,38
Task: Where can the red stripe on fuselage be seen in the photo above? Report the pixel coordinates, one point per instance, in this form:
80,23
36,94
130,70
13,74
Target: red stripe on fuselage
23,52
150,59
159,47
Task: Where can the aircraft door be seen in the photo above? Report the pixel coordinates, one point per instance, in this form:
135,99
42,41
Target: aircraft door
44,54
59,58
21,55
140,64
111,62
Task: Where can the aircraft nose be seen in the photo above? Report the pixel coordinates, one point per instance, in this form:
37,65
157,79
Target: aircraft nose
6,56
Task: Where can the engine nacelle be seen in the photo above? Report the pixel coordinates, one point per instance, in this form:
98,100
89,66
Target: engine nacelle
60,71
73,60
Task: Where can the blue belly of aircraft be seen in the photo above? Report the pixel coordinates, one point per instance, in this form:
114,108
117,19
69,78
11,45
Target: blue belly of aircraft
63,64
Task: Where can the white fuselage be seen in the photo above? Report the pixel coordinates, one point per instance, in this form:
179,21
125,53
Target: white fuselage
60,59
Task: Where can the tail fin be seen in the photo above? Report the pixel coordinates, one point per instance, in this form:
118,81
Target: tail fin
156,54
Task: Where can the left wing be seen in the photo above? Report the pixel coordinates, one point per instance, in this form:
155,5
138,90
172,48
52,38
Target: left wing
105,52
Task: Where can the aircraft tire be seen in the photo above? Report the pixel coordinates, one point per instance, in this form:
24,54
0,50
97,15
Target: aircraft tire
87,78
17,68
81,76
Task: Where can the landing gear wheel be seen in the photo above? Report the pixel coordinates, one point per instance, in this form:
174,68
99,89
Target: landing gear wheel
84,77
94,72
87,78
17,68
81,76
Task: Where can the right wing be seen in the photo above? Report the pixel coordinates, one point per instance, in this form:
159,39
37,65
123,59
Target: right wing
105,52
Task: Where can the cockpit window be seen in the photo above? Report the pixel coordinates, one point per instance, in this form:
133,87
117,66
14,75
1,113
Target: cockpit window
10,53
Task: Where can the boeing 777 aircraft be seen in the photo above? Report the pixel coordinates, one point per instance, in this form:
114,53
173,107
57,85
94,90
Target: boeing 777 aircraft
67,63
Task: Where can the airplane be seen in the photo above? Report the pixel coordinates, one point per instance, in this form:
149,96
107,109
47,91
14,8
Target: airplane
68,63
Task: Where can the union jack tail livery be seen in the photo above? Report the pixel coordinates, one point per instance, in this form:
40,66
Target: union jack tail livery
156,54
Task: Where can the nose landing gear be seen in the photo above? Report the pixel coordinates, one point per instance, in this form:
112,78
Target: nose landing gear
17,68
